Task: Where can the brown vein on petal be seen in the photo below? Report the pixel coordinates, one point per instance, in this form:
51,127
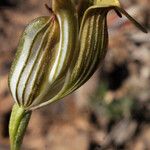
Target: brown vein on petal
41,64
94,52
79,63
102,29
21,75
29,90
100,50
87,57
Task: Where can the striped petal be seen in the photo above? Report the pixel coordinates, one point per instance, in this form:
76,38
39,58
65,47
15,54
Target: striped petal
28,45
91,47
90,51
54,58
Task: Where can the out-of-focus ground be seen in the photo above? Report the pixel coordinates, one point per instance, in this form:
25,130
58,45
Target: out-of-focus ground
110,112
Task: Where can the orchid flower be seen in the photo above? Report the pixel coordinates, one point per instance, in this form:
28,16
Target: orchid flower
56,55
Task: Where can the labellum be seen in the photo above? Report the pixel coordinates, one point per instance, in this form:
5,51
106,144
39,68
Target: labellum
56,55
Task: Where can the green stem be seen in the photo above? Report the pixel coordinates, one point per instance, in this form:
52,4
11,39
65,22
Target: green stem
17,126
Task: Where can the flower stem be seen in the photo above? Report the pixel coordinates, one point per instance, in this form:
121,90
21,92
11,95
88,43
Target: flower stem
17,126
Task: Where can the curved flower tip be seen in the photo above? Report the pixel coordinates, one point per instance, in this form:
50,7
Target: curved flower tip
138,25
115,4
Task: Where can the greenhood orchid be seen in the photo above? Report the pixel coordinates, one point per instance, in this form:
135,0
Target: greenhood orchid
56,55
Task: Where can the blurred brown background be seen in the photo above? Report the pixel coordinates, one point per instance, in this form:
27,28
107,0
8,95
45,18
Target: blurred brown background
110,112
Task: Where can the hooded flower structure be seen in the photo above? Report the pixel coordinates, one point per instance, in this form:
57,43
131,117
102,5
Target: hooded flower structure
58,54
